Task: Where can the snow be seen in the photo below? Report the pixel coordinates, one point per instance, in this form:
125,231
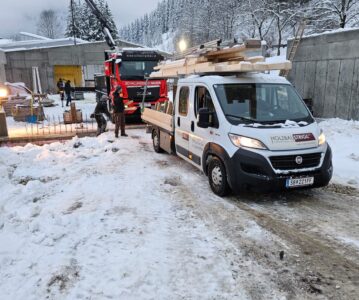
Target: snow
105,221
167,43
35,36
113,219
277,59
343,137
331,32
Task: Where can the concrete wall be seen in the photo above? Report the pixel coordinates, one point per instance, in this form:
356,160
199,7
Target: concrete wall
2,66
19,63
326,69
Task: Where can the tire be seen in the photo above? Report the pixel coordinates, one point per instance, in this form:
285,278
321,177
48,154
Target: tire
217,177
156,141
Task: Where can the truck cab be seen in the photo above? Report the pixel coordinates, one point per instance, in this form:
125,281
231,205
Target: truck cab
129,68
249,132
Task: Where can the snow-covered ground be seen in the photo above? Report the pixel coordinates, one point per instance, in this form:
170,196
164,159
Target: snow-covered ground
54,114
105,218
343,137
104,221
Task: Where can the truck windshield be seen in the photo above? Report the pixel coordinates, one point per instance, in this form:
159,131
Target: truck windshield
136,70
261,103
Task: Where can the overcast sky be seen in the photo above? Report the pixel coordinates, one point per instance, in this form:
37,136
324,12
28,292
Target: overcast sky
21,15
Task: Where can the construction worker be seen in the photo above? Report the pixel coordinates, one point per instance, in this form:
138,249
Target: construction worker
100,110
68,90
118,111
60,86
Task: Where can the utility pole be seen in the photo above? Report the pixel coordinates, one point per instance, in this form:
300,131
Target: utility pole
73,21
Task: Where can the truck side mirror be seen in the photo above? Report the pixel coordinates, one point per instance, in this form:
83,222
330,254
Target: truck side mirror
205,118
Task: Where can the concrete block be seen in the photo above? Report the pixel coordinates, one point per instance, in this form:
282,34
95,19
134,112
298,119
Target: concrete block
331,88
320,81
344,89
354,99
299,78
309,75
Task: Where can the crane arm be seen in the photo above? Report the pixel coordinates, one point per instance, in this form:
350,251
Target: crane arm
104,23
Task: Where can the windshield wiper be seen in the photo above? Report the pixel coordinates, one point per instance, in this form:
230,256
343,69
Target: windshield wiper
240,118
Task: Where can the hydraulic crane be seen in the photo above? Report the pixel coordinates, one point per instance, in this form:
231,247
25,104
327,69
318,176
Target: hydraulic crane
107,30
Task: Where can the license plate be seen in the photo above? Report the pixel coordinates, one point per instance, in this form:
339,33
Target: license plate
296,182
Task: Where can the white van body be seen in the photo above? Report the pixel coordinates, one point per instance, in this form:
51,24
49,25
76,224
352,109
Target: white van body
248,154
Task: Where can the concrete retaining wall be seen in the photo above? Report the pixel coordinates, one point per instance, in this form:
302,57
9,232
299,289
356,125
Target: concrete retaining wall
19,63
326,69
2,66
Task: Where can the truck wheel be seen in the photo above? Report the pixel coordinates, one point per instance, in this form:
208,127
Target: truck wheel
217,177
156,141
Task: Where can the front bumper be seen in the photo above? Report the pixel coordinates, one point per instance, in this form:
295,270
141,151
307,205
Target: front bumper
247,170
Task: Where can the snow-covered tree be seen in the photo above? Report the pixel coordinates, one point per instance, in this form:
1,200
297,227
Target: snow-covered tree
85,24
332,14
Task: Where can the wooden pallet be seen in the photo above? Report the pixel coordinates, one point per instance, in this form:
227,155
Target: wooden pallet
228,60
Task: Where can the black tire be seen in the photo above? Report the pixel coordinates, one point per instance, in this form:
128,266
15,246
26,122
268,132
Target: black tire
156,141
217,177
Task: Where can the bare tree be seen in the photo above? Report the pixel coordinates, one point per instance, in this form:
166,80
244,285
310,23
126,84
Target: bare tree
331,14
49,24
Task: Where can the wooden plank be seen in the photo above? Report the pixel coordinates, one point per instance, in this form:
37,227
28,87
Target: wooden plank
158,118
255,59
232,50
263,66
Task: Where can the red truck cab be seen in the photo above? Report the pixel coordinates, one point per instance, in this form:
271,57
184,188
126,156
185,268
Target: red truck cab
129,68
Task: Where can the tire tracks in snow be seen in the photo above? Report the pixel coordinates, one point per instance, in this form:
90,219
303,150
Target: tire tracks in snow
312,266
338,276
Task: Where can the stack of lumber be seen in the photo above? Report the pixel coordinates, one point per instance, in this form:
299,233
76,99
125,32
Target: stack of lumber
12,102
73,116
234,59
26,113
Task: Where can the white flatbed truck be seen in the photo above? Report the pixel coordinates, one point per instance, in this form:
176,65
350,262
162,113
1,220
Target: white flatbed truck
250,131
244,129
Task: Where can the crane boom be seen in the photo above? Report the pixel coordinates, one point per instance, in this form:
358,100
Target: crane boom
104,23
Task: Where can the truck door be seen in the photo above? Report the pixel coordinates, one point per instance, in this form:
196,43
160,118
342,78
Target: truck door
182,131
201,136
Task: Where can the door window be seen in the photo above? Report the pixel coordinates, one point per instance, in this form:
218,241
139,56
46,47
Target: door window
203,99
183,101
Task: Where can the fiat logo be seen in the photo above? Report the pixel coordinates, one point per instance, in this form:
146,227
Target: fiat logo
299,160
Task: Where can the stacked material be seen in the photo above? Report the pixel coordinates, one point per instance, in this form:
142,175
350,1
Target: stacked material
234,59
26,113
73,116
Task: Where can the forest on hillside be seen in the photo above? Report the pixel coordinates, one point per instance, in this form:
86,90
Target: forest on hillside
199,21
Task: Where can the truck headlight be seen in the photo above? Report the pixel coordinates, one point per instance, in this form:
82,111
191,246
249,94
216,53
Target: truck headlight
3,93
243,141
321,138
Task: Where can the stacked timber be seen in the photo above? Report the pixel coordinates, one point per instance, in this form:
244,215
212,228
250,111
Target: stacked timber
73,116
234,59
28,113
12,102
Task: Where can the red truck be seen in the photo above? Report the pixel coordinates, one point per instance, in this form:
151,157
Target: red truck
129,68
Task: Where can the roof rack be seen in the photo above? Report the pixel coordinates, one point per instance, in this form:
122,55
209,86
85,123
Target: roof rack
228,60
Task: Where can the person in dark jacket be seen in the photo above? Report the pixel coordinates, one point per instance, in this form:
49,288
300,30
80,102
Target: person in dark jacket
119,111
100,110
60,86
68,90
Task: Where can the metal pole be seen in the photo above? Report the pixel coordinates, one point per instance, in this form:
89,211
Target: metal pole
73,21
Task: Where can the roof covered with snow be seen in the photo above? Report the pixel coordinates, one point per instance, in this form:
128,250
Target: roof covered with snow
35,44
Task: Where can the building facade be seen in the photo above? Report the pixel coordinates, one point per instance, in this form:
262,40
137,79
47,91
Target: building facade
56,59
326,70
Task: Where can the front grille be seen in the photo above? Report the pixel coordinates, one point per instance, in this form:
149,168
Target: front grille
136,93
288,162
